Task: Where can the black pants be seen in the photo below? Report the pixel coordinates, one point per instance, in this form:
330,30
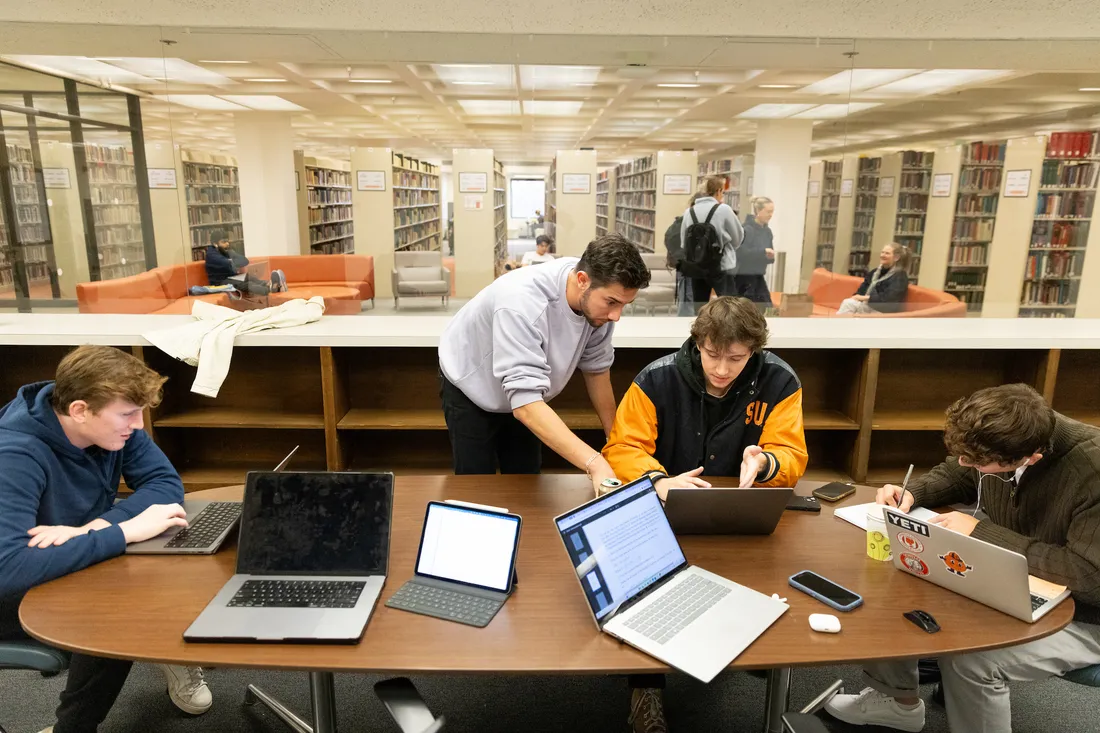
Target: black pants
481,441
92,687
753,287
251,285
722,284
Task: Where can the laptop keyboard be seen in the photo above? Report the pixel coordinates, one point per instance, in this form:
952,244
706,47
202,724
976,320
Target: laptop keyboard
687,601
444,603
1038,602
208,525
297,594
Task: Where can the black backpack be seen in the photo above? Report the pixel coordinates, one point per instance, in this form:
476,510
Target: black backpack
674,252
702,248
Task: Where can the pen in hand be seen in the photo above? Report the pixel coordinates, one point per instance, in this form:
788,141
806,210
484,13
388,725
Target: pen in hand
904,486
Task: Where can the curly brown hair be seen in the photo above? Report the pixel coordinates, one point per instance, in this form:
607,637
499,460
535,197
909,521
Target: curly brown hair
1001,425
613,260
727,321
99,375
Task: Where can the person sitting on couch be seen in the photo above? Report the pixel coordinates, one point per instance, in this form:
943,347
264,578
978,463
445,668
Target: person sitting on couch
226,267
884,288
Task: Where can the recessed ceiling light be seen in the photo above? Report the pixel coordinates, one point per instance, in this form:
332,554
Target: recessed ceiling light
267,81
371,81
774,111
208,61
678,86
777,86
473,83
1089,89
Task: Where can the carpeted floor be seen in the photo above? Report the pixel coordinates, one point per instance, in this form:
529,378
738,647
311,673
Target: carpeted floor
733,702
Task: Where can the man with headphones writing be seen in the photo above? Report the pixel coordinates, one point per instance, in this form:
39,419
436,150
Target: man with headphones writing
1036,475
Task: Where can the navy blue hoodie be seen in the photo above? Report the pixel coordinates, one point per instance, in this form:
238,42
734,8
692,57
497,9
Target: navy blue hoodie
45,479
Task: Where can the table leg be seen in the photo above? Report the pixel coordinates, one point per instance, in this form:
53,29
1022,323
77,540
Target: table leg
255,694
322,693
777,699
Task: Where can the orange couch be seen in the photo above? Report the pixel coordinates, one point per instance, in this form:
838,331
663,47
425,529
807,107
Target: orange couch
163,290
828,289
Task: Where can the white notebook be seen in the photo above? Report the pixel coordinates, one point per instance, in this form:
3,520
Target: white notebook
857,514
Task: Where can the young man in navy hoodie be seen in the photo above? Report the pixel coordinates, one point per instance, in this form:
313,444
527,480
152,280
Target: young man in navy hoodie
64,445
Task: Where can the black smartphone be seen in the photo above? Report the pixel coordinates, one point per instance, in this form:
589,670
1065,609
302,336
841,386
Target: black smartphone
834,491
803,504
825,590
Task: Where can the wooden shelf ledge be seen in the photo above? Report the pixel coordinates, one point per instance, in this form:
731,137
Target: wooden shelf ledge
235,417
908,420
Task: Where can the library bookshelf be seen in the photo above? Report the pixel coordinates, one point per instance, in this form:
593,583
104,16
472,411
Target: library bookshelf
830,206
550,214
737,171
911,212
27,240
116,215
869,412
650,192
863,225
980,178
213,198
605,201
417,211
500,213
1063,221
325,220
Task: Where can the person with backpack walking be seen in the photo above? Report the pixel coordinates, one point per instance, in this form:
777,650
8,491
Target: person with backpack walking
710,235
686,306
756,253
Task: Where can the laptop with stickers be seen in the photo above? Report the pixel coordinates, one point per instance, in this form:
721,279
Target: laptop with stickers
983,572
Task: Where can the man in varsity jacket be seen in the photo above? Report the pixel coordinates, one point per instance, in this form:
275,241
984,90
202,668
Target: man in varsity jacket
720,406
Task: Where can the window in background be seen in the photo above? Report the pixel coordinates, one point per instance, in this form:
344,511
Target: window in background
527,196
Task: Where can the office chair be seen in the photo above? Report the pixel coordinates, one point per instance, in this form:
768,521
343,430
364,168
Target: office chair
32,655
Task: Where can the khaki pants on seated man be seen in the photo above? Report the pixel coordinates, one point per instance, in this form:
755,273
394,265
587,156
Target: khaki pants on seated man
975,686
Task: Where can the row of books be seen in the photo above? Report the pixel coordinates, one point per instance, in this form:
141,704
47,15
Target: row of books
31,253
330,231
28,214
973,300
834,167
1071,205
646,200
409,179
1049,293
1074,145
98,173
866,201
108,215
407,217
966,254
415,198
828,218
337,247
213,215
329,214
966,280
19,154
1070,174
830,185
971,203
127,234
642,238
861,242
407,161
327,177
863,222
824,256
204,237
1053,264
973,229
645,182
213,195
984,152
916,159
197,174
27,233
1055,234
636,166
328,196
980,179
132,253
108,154
909,224
857,262
416,238
114,194
715,167
25,194
826,236
915,180
913,202
636,217
830,202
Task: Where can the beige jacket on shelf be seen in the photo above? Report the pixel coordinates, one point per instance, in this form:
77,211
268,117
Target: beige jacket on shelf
208,341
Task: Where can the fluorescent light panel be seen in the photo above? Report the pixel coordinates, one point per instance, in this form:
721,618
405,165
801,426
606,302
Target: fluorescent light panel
482,74
83,66
201,101
264,103
490,107
370,81
832,111
677,85
557,77
777,86
938,80
773,111
857,80
171,70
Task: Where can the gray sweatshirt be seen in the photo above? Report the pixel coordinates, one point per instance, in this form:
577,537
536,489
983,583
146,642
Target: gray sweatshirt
730,231
518,341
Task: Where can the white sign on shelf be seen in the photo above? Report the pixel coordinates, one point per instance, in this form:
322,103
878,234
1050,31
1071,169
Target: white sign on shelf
473,203
162,178
814,190
676,183
846,187
371,180
473,182
886,187
56,178
1017,184
576,183
941,185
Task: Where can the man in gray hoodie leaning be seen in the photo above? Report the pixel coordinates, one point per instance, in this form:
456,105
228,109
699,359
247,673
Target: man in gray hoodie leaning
515,346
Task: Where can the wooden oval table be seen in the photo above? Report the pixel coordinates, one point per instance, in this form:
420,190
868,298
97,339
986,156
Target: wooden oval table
137,607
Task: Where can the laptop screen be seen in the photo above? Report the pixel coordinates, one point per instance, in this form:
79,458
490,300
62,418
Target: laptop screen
315,523
468,546
620,545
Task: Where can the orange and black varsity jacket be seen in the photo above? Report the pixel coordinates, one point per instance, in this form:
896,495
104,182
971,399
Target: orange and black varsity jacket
661,426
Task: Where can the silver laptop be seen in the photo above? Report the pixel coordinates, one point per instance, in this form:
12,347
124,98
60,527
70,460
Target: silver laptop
642,591
726,511
209,524
970,567
311,560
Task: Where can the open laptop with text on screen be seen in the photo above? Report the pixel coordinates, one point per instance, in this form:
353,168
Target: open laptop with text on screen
641,590
311,560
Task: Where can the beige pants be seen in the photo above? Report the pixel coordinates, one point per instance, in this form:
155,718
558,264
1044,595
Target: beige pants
851,305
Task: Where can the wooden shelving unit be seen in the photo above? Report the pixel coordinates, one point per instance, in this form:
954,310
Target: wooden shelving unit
975,216
30,233
213,195
417,213
500,212
115,212
1063,220
863,226
326,223
914,186
830,205
605,201
643,211
869,413
737,172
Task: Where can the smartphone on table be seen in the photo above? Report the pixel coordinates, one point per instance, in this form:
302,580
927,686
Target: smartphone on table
825,590
834,491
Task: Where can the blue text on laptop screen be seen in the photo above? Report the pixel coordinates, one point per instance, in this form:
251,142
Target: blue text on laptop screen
316,524
629,536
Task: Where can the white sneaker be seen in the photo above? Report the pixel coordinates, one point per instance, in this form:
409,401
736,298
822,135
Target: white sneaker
871,707
187,688
46,730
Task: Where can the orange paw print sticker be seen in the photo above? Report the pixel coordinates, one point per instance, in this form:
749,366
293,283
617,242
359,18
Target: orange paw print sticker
955,564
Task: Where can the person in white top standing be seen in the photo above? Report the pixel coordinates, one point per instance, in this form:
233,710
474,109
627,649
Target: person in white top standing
515,346
541,253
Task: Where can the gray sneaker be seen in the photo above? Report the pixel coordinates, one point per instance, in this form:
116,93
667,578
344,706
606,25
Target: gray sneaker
647,711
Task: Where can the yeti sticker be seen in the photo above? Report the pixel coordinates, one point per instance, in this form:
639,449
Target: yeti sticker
955,564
